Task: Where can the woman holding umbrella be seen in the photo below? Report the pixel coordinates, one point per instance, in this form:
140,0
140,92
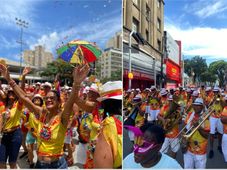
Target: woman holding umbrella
52,127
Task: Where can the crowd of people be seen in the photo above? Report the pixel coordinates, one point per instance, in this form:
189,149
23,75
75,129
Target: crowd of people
43,117
185,119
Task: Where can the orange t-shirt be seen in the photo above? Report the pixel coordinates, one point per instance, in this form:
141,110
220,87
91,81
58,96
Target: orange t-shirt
197,143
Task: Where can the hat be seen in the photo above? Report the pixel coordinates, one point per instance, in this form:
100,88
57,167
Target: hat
129,91
136,100
147,89
111,90
163,92
216,89
225,98
188,90
198,101
208,89
170,97
94,88
37,96
139,96
47,84
153,88
195,93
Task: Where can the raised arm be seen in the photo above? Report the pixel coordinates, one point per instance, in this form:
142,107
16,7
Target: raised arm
19,92
79,74
25,72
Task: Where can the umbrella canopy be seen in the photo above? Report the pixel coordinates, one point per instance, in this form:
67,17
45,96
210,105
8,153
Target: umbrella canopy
77,51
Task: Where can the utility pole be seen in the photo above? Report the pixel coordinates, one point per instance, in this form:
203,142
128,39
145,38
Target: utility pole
22,24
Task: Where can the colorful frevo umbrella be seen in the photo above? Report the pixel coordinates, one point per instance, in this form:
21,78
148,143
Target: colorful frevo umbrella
79,52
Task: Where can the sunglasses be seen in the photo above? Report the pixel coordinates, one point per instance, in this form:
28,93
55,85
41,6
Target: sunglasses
50,97
143,146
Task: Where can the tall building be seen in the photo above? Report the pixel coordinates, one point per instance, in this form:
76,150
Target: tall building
38,57
146,19
111,59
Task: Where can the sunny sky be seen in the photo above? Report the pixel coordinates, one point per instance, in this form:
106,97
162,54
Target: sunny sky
52,22
200,25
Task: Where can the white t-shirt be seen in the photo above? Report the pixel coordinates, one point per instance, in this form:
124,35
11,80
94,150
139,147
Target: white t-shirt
166,162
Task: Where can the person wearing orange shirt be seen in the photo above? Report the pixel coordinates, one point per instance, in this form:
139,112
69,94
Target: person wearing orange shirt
171,139
195,155
224,122
215,122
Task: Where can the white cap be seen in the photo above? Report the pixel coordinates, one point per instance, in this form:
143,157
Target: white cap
153,87
163,92
129,91
170,97
47,84
137,89
94,88
188,90
198,101
147,89
195,93
208,89
225,98
216,89
138,96
37,95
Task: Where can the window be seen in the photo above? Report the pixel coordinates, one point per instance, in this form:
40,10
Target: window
136,2
159,24
135,25
147,35
158,3
159,45
147,12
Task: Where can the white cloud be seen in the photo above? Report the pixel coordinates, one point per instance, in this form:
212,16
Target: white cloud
203,41
204,8
99,31
14,8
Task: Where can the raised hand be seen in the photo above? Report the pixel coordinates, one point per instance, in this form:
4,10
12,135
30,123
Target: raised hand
26,71
5,72
80,73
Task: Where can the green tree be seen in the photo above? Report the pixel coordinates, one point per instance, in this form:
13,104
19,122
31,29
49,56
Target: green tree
208,77
219,68
195,67
63,69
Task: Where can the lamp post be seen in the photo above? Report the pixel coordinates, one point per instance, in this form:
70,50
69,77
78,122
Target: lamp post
130,64
22,24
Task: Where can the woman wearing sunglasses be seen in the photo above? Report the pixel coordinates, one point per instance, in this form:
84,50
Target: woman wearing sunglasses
52,125
146,153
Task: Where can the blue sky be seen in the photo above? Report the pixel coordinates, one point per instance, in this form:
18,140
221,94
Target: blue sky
52,22
200,25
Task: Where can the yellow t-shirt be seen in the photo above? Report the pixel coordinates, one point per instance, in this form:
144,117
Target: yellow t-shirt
112,131
50,140
12,116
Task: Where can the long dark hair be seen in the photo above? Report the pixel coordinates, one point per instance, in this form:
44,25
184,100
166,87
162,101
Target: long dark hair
112,107
7,98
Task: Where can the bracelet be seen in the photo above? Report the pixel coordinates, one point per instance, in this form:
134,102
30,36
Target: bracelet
12,83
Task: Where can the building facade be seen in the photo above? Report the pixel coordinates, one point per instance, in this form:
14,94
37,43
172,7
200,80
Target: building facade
111,59
172,61
145,17
38,57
